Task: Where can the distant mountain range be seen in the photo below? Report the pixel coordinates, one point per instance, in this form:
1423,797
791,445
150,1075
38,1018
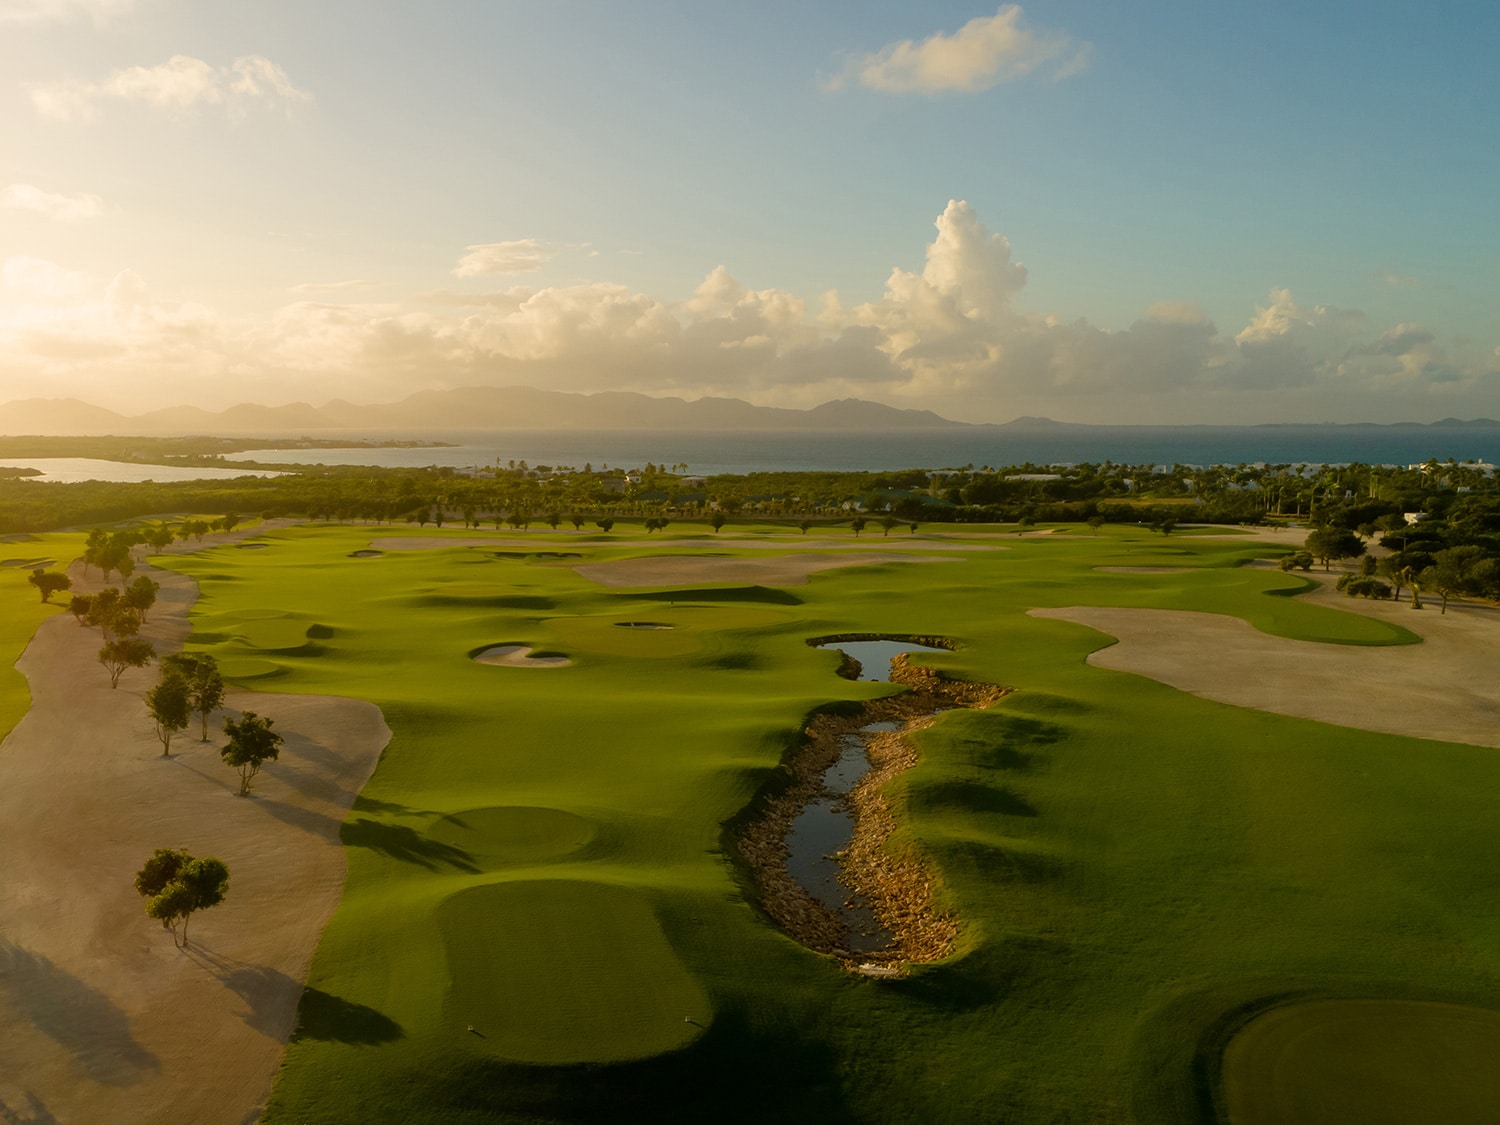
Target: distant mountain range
524,408
469,408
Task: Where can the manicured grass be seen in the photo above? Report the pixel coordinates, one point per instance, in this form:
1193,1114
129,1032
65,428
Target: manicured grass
1131,863
24,610
1365,1062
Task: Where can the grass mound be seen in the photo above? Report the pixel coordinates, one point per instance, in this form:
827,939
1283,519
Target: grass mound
514,834
1365,1062
566,972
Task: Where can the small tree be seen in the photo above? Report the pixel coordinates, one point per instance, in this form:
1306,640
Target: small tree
886,523
205,683
176,885
170,706
804,525
1095,523
49,582
140,595
1330,543
605,524
716,521
857,524
252,743
127,652
79,606
577,521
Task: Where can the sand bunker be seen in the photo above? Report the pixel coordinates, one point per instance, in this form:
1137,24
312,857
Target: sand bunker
642,625
786,570
101,1018
1444,688
365,554
518,656
252,546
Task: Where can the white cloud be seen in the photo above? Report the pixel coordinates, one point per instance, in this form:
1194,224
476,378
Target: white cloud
59,11
181,83
524,255
950,337
983,53
1393,279
59,208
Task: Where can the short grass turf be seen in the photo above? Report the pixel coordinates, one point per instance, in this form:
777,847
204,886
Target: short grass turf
24,609
1133,866
1365,1062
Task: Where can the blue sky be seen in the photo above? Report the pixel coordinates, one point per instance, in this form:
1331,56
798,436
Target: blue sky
1225,213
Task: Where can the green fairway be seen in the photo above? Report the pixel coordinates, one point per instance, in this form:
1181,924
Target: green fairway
1365,1062
24,609
541,853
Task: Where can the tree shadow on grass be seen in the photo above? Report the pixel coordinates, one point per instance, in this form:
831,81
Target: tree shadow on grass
764,595
329,1018
32,1113
79,1017
405,844
736,1074
968,796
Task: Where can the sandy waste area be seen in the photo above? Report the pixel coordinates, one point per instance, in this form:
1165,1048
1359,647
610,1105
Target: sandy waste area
102,1018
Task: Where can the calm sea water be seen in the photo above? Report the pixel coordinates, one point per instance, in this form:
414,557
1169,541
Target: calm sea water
88,468
751,451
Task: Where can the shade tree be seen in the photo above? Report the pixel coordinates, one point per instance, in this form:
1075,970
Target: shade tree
122,653
252,743
170,706
176,885
49,582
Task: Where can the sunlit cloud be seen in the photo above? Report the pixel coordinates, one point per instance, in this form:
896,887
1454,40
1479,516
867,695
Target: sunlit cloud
60,11
524,255
53,205
953,336
983,53
180,84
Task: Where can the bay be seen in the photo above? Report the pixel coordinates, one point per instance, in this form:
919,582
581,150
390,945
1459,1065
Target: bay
710,452
71,469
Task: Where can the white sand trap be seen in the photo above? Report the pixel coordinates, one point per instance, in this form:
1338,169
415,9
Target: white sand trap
786,570
1144,569
518,656
1444,688
101,1018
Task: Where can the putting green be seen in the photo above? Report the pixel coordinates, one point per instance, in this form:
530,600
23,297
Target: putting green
1365,1062
566,972
514,834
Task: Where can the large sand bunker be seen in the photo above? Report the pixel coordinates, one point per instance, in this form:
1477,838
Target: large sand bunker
101,1017
519,656
1444,688
784,570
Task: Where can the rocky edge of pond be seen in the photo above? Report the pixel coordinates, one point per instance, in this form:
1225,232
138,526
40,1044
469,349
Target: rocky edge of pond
898,885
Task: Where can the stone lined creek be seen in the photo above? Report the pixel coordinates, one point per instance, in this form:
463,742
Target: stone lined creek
818,848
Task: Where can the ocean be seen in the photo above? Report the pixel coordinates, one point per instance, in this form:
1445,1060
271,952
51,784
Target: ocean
709,452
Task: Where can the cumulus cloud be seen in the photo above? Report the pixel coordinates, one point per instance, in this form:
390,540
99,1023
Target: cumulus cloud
983,53
953,336
60,11
523,255
180,84
52,205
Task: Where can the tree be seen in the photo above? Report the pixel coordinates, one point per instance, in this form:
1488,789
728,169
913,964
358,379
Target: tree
716,521
252,743
1297,560
79,605
140,595
170,706
886,523
804,525
1095,523
1329,543
605,524
1452,572
49,582
857,524
127,652
205,683
176,885
577,521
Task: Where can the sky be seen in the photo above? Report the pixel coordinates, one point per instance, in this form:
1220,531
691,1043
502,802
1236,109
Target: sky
1161,212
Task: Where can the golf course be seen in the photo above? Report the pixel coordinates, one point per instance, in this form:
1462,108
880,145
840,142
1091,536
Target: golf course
1214,844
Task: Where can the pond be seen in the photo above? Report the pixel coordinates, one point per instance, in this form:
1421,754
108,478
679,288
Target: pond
875,656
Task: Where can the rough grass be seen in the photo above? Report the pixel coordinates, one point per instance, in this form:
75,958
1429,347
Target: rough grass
1131,863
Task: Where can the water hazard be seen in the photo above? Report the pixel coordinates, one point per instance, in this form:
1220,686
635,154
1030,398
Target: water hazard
822,831
874,656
